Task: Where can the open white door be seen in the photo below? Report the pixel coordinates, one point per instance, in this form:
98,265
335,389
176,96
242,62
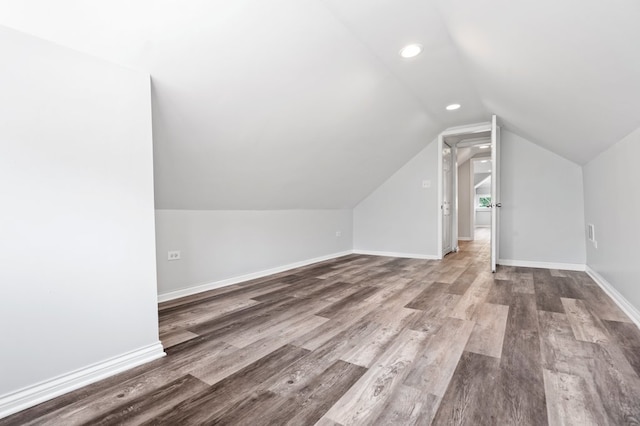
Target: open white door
447,194
495,191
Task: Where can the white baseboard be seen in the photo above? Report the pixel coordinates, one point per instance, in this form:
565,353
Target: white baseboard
546,265
631,311
32,395
465,239
395,254
252,276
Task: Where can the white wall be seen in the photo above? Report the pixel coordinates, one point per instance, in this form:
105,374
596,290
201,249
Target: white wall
542,213
400,216
483,217
222,245
612,204
542,204
485,188
464,200
77,257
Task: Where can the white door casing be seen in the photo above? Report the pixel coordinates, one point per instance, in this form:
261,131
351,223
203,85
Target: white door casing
447,194
495,191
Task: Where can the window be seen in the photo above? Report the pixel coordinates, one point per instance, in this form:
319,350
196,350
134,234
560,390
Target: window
483,200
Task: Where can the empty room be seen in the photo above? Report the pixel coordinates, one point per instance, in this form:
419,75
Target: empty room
319,212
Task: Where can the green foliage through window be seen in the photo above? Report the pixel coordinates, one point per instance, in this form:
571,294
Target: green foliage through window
485,201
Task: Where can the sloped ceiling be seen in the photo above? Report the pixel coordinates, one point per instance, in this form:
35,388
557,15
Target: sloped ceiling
564,74
307,104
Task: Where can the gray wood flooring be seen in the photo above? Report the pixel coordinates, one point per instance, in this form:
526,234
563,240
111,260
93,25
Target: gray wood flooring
380,341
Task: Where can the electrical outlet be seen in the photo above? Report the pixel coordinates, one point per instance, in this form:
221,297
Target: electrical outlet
338,233
173,255
426,184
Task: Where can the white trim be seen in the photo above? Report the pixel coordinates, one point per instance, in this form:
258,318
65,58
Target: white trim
35,394
472,196
440,194
470,128
495,191
481,182
235,280
545,265
465,238
396,254
626,306
454,184
474,142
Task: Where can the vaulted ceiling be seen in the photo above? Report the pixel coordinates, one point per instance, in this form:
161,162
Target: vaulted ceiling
307,104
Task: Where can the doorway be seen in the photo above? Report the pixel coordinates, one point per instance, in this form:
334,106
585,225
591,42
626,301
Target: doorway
477,147
479,184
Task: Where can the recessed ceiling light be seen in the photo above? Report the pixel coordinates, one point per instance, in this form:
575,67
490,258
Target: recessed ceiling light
411,50
483,146
484,161
453,107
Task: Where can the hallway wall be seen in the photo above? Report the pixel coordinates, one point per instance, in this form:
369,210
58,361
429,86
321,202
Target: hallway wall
542,205
612,205
218,247
465,208
400,216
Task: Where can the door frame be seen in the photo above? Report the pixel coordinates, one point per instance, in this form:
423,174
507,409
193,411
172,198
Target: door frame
496,202
472,192
453,234
462,130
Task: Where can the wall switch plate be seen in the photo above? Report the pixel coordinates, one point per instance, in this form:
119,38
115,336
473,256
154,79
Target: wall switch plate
338,233
173,255
591,234
426,184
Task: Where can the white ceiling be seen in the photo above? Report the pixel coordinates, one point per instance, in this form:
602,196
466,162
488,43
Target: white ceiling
464,154
307,104
482,166
563,73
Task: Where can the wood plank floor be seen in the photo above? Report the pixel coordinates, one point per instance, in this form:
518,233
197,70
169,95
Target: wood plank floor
380,341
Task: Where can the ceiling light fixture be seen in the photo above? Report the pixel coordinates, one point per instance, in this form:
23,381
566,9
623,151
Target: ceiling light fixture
411,51
483,146
453,107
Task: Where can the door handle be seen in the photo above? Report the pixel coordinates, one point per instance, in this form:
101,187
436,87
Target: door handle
498,204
